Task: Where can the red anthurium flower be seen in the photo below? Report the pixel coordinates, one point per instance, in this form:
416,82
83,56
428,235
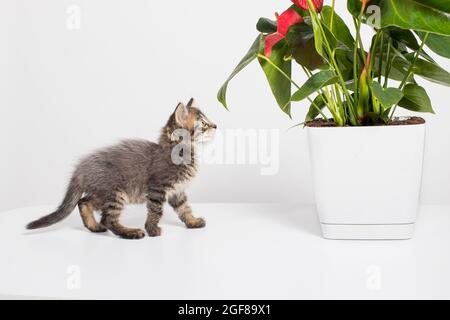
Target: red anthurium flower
271,40
318,4
287,19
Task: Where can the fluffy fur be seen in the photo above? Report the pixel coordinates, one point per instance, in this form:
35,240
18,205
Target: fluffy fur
136,172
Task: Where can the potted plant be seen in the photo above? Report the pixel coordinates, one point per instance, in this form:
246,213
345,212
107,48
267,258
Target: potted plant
367,164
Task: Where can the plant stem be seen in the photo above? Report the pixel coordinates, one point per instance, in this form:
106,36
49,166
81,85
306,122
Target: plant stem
362,52
411,68
333,5
380,67
388,65
309,74
416,57
355,52
330,52
373,54
337,93
331,106
338,118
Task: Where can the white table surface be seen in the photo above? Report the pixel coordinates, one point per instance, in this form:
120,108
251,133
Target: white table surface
247,251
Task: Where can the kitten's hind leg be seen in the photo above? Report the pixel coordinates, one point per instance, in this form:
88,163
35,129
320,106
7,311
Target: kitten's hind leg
110,219
181,207
87,208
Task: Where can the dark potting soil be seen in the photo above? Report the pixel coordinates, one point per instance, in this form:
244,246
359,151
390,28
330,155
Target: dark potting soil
320,123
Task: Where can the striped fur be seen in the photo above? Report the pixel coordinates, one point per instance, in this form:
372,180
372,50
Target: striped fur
136,172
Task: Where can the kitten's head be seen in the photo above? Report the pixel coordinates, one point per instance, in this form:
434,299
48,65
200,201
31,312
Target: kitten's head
190,119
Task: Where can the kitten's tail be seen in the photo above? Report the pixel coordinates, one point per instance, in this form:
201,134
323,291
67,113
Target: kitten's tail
73,196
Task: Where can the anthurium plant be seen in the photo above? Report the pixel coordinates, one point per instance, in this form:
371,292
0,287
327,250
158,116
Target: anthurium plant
358,84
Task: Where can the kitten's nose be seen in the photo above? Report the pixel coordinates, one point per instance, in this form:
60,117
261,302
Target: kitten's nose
214,126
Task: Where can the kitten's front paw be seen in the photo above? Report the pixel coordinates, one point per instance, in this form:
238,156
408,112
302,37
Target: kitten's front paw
154,231
196,223
133,234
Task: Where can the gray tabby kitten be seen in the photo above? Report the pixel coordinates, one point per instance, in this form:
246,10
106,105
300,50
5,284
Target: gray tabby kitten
136,172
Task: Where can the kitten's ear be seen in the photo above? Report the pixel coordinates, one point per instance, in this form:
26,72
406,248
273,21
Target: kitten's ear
191,103
181,114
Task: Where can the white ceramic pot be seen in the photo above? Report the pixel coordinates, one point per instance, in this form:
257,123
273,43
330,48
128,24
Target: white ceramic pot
367,180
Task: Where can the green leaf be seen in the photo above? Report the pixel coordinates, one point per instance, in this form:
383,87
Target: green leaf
249,57
280,83
438,44
405,37
387,97
425,69
386,116
398,69
344,60
318,39
318,104
395,73
339,29
419,15
354,6
416,99
314,84
265,25
302,46
333,42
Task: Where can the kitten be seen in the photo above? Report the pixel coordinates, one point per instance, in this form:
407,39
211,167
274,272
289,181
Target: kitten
136,172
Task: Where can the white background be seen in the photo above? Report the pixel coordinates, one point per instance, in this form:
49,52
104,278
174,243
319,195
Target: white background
66,92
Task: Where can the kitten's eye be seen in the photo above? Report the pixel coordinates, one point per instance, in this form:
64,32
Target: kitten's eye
203,124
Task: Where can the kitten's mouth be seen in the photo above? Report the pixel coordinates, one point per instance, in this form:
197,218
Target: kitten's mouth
208,136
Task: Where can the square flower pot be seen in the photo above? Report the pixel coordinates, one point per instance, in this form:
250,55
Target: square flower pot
367,180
